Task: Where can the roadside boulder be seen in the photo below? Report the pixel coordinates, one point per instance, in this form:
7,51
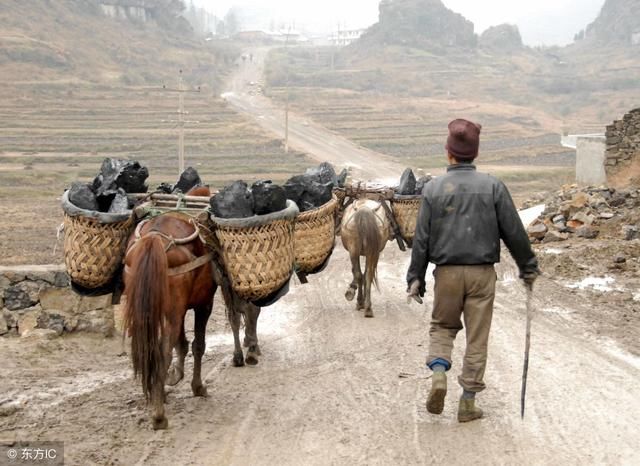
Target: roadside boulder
537,231
587,232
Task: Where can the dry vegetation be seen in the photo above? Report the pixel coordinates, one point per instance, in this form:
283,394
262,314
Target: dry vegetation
398,99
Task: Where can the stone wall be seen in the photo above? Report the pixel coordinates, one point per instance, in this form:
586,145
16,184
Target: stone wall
623,142
38,300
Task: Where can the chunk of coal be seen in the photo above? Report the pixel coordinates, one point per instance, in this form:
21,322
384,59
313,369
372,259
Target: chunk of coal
342,178
323,173
316,195
105,201
125,174
308,193
81,195
420,184
165,188
407,184
234,201
188,179
120,203
268,197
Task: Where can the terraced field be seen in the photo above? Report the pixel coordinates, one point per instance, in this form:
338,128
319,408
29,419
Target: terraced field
53,137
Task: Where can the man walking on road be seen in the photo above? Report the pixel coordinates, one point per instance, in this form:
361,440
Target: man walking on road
463,216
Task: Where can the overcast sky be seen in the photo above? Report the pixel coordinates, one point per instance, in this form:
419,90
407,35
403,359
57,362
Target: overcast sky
546,22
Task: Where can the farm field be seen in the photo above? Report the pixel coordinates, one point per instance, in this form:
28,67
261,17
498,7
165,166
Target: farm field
53,137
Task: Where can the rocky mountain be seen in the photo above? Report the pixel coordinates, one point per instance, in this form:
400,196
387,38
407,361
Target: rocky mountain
425,24
128,42
505,37
618,23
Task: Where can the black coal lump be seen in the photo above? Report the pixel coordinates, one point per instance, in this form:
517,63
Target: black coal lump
189,179
234,201
125,174
120,203
81,195
268,197
420,184
407,184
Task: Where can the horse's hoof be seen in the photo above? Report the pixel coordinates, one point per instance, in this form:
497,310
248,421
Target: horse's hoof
174,377
256,349
252,355
199,390
160,423
359,307
252,359
350,294
368,313
238,359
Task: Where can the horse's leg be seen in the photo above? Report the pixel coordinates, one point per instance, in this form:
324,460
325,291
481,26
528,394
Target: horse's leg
368,280
234,319
370,273
198,346
158,395
360,301
356,274
176,372
251,314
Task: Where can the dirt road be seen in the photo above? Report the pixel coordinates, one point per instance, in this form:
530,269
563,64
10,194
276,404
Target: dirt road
304,135
335,388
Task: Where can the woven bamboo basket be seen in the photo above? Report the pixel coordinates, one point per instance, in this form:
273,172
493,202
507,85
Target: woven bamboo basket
340,194
405,210
258,252
94,244
315,232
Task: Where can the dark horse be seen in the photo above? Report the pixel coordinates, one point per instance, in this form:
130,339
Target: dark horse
168,270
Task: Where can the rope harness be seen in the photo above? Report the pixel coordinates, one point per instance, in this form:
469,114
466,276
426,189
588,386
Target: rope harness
194,263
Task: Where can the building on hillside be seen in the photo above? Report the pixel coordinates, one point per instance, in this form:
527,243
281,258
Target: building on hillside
342,38
134,10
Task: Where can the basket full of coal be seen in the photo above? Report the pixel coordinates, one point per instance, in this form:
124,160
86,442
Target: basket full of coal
315,228
98,221
405,203
254,226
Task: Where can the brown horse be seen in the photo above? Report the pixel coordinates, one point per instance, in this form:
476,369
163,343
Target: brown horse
365,230
168,270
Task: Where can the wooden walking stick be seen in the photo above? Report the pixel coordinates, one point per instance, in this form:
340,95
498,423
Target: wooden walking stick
527,344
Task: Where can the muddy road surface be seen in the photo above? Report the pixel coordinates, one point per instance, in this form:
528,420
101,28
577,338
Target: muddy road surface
335,388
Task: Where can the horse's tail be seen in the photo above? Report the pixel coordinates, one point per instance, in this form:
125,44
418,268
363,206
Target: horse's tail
370,241
147,290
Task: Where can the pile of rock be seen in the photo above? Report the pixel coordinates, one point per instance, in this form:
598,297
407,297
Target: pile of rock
315,187
586,213
241,201
108,191
308,191
37,300
409,186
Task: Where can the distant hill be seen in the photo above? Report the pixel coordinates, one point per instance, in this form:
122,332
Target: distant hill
128,42
618,23
421,24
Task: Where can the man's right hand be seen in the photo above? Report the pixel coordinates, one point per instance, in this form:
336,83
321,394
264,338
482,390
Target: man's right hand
414,292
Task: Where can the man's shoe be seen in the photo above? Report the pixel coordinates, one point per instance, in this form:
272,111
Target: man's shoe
435,402
467,411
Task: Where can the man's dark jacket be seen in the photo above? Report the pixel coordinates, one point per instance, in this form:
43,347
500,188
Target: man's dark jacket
463,216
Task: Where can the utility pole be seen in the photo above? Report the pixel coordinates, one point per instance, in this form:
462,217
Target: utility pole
181,121
286,104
